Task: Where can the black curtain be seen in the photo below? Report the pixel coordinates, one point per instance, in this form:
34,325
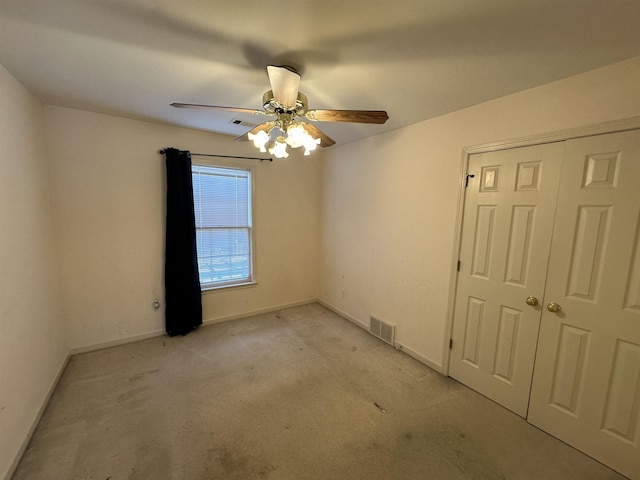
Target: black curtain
183,304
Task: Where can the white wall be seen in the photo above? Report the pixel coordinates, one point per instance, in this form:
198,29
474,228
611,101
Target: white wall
390,202
109,189
32,337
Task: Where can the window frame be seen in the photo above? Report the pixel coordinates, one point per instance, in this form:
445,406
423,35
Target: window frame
210,287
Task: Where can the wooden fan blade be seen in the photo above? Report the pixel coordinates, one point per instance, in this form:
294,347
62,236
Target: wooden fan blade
214,107
263,126
325,140
354,116
285,83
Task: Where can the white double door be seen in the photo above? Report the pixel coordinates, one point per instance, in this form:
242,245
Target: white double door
547,311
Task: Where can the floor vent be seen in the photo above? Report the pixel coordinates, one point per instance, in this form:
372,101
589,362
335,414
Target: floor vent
384,331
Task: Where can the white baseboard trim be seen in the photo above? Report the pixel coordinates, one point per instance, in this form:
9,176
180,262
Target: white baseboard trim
422,359
345,315
259,311
412,353
115,343
36,419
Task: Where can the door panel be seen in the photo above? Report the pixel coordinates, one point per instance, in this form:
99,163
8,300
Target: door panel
506,236
518,253
586,386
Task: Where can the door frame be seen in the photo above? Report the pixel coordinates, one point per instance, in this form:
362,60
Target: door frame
604,128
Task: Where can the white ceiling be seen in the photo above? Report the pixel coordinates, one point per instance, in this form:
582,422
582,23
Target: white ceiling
417,59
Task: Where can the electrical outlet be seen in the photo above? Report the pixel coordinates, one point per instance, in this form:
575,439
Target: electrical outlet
343,293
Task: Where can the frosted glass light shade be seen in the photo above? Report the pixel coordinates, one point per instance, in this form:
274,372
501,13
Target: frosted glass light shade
259,139
279,150
296,135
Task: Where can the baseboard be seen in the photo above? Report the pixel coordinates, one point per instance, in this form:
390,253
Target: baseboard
260,311
412,353
36,420
422,359
115,343
345,315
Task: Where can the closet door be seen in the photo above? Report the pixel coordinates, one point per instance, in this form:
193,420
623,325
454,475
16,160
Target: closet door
506,236
586,387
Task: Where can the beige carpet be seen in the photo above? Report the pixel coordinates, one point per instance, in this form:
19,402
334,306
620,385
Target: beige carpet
297,394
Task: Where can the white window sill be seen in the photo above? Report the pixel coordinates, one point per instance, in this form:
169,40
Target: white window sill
217,288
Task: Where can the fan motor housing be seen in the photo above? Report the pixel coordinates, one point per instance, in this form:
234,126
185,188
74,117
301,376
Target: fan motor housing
272,107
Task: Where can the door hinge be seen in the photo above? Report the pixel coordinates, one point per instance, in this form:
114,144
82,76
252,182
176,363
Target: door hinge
458,267
466,180
450,343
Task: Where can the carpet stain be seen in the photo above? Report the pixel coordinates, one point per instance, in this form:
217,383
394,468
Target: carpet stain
232,464
373,446
444,451
141,375
130,394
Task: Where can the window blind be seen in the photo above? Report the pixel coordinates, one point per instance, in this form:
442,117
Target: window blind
222,204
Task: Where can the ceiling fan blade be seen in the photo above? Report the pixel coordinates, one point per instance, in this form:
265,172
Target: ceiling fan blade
214,107
354,116
263,126
285,83
325,140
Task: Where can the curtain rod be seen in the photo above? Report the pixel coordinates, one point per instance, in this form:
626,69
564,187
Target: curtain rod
226,156
232,156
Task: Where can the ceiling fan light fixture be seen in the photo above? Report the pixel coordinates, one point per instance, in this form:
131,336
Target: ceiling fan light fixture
290,107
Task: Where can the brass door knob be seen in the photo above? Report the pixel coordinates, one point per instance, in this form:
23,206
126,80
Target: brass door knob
553,307
533,301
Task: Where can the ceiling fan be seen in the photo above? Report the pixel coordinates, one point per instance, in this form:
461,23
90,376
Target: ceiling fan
290,108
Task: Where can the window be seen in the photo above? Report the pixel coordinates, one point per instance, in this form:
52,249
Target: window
222,204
